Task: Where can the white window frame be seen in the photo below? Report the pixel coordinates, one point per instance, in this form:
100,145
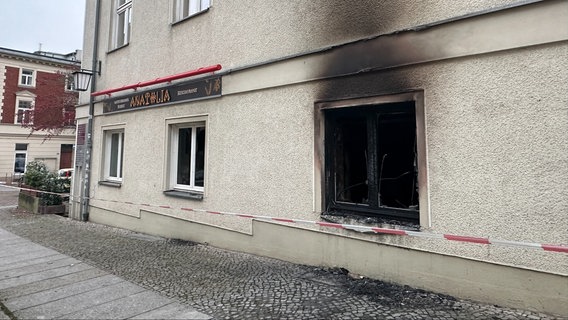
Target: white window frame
184,9
122,32
107,155
19,110
173,127
69,84
27,79
19,152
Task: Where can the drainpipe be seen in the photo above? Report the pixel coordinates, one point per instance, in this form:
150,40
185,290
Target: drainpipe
89,133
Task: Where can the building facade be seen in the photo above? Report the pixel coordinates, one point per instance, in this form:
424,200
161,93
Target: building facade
422,143
35,95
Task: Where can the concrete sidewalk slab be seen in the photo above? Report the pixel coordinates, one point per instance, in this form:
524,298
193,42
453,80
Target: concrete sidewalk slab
51,283
14,262
45,296
42,275
40,283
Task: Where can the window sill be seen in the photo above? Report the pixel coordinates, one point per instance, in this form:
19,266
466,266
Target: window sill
189,17
110,184
373,220
184,194
117,48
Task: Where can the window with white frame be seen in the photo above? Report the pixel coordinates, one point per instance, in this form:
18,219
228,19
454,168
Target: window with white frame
20,157
113,155
69,83
23,108
187,8
122,23
27,77
187,157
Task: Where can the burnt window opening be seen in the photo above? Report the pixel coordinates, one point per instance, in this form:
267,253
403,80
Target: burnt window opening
371,161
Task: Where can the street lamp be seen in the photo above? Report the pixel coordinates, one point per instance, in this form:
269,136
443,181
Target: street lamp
82,78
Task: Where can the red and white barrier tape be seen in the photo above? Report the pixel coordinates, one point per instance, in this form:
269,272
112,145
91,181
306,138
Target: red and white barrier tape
36,190
399,232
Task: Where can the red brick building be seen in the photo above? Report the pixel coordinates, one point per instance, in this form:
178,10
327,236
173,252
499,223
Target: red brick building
37,110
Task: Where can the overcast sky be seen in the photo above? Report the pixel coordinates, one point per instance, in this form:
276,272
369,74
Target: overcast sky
56,24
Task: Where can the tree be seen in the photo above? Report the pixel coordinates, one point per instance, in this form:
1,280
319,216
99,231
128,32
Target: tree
54,107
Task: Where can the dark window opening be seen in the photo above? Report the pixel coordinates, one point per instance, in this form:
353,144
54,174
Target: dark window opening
351,161
371,161
66,156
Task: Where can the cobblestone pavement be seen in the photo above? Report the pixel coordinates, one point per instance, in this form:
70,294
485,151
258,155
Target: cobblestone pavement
231,285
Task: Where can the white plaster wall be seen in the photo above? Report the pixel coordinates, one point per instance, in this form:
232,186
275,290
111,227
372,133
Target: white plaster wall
496,123
236,34
38,147
497,153
498,162
259,156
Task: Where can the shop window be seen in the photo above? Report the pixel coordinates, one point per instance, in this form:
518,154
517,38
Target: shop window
187,8
113,155
372,161
20,157
187,157
122,22
27,77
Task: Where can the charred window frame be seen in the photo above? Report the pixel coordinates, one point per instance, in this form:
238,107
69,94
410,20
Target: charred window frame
374,158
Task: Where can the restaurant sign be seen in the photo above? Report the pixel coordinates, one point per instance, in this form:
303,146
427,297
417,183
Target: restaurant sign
199,89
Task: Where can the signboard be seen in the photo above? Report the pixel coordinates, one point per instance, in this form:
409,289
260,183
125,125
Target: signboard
80,147
81,129
199,89
80,156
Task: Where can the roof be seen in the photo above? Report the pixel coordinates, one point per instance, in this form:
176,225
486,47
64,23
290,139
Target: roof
49,58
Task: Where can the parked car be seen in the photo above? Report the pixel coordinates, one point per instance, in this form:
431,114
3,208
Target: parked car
65,173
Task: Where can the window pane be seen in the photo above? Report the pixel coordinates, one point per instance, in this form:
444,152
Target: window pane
194,6
114,154
200,157
120,37
21,146
351,161
121,155
27,76
185,8
397,160
127,25
24,104
20,163
184,156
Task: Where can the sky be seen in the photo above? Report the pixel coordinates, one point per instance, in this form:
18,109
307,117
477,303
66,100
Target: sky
56,24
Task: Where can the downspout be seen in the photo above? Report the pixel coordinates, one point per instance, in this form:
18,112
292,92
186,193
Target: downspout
89,133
